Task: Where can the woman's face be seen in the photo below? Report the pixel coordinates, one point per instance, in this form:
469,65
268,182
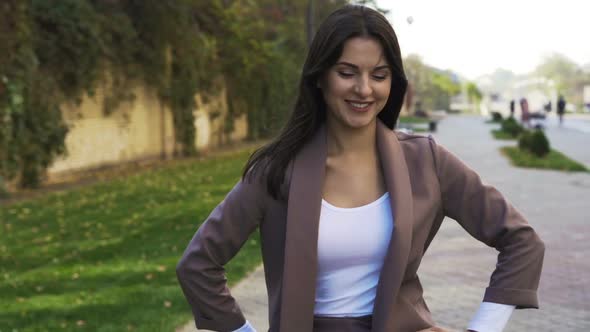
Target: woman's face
356,88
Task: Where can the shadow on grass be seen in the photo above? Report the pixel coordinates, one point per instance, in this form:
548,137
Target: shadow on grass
160,308
142,294
103,258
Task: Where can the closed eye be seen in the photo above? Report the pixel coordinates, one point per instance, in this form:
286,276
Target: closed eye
380,77
345,74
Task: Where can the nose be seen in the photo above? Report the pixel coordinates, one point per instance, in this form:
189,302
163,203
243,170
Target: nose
363,87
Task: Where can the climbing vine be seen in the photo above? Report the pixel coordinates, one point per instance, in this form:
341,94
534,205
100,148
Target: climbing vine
54,52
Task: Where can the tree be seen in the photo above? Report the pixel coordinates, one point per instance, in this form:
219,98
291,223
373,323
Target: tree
473,94
444,86
371,3
57,51
558,68
569,77
433,88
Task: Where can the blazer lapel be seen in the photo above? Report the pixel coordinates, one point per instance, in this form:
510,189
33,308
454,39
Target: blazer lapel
398,184
300,264
304,205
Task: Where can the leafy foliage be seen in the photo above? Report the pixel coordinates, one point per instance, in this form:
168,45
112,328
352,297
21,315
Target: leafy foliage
569,77
473,91
60,50
511,127
261,55
497,117
534,142
433,87
31,127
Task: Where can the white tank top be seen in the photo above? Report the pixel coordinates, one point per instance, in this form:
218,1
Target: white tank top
352,244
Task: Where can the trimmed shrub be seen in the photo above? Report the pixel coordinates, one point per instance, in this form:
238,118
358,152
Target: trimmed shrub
511,127
535,142
525,140
497,117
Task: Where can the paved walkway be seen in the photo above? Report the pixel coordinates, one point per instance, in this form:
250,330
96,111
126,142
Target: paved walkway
572,138
456,269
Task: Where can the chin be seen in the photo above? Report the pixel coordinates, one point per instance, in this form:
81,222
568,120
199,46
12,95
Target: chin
359,124
346,119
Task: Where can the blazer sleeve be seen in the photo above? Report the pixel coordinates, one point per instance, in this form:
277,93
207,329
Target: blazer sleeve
483,212
200,270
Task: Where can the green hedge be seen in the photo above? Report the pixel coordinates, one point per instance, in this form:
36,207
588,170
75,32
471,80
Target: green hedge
535,142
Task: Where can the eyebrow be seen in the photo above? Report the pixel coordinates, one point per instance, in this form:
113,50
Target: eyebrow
348,64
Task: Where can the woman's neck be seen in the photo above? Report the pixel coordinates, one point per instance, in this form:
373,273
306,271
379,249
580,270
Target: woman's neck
345,141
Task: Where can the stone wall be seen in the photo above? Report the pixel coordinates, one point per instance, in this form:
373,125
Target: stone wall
138,130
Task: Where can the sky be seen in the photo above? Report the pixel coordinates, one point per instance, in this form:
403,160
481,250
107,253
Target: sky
474,37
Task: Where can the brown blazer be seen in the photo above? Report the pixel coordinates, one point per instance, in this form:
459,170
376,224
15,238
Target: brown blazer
426,183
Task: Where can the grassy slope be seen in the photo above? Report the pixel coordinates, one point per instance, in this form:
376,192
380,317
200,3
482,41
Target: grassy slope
102,258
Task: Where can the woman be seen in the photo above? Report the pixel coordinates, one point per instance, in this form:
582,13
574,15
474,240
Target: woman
347,207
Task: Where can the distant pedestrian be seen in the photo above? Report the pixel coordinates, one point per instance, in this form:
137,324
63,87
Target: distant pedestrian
560,108
525,113
512,108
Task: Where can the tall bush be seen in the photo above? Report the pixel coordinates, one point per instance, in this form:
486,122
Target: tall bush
497,117
534,142
511,127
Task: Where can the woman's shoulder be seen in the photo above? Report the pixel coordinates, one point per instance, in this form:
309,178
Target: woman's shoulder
421,148
405,136
414,141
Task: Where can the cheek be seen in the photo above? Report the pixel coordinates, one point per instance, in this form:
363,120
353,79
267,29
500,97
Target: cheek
337,87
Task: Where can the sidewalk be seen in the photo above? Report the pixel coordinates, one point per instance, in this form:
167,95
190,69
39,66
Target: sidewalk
456,269
573,139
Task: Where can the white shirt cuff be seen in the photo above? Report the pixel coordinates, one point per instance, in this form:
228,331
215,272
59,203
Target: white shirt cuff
491,317
246,328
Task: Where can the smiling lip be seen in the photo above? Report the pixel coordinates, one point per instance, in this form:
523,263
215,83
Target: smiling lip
359,106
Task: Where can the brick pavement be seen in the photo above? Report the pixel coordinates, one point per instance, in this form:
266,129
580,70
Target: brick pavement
456,269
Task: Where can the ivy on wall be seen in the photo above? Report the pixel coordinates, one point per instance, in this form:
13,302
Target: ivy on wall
57,51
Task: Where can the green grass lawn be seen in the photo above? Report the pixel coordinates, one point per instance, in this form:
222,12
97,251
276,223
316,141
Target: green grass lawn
502,135
413,119
103,258
554,160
